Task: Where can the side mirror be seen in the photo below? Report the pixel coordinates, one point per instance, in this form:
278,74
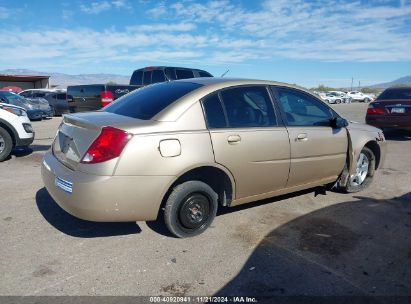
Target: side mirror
338,122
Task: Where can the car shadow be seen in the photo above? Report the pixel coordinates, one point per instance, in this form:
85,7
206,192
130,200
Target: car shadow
70,225
358,248
397,135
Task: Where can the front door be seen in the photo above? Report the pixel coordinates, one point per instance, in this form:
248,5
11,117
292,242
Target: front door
318,151
248,140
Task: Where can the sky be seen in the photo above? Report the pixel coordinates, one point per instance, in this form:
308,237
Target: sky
303,42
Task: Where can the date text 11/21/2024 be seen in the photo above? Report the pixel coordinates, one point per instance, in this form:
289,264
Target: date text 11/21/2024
202,299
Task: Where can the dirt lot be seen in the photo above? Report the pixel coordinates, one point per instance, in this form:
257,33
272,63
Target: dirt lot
302,244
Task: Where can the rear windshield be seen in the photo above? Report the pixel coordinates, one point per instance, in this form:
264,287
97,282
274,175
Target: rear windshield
403,93
148,101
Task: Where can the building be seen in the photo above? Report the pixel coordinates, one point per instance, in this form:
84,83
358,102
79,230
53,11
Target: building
24,82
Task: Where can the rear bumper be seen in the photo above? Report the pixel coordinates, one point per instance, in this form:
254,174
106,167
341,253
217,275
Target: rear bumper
396,122
105,198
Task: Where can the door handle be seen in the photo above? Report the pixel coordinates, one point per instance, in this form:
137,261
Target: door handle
302,137
232,139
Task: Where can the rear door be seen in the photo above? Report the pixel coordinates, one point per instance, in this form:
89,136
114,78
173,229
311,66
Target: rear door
318,151
248,139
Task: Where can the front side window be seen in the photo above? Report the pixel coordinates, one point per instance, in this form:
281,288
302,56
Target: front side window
248,107
303,110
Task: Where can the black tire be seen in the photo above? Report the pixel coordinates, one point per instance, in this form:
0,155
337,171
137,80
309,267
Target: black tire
366,100
6,144
180,219
352,185
338,101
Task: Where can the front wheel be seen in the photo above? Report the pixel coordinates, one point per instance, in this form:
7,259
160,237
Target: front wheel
190,209
364,172
6,144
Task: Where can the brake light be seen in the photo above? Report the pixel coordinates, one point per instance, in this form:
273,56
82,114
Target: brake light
108,145
375,111
106,98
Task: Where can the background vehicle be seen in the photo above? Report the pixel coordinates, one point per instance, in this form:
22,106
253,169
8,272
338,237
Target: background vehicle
149,75
343,96
332,98
359,96
33,110
392,109
42,105
57,99
15,129
189,146
95,96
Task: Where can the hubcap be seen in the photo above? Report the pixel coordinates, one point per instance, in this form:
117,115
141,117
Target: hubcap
2,144
194,211
361,170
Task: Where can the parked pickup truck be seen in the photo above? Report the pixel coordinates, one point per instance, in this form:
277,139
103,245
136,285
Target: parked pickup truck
93,97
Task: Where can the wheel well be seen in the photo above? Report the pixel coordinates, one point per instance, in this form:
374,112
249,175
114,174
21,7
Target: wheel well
216,178
375,148
4,126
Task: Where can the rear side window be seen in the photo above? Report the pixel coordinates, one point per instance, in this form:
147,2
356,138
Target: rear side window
158,76
403,93
147,77
148,101
184,74
137,78
214,112
248,107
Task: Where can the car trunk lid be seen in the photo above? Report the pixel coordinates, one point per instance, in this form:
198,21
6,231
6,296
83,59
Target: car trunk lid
397,107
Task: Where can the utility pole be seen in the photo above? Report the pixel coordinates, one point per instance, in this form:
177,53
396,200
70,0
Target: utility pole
359,85
352,80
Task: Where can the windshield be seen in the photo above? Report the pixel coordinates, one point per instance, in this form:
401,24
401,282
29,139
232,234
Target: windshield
16,100
148,101
400,93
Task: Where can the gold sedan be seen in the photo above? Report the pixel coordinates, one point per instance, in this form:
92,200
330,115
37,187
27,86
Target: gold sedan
183,148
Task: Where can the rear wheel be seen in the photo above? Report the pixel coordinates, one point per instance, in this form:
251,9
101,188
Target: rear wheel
190,209
338,101
6,144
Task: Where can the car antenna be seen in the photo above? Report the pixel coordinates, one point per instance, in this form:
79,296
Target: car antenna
228,70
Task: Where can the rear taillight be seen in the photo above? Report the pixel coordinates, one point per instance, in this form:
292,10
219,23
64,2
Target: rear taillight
106,98
106,146
375,111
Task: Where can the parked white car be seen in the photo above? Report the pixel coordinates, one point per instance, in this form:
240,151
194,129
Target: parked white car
359,96
15,129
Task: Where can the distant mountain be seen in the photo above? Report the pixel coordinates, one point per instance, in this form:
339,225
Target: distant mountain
62,80
400,81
